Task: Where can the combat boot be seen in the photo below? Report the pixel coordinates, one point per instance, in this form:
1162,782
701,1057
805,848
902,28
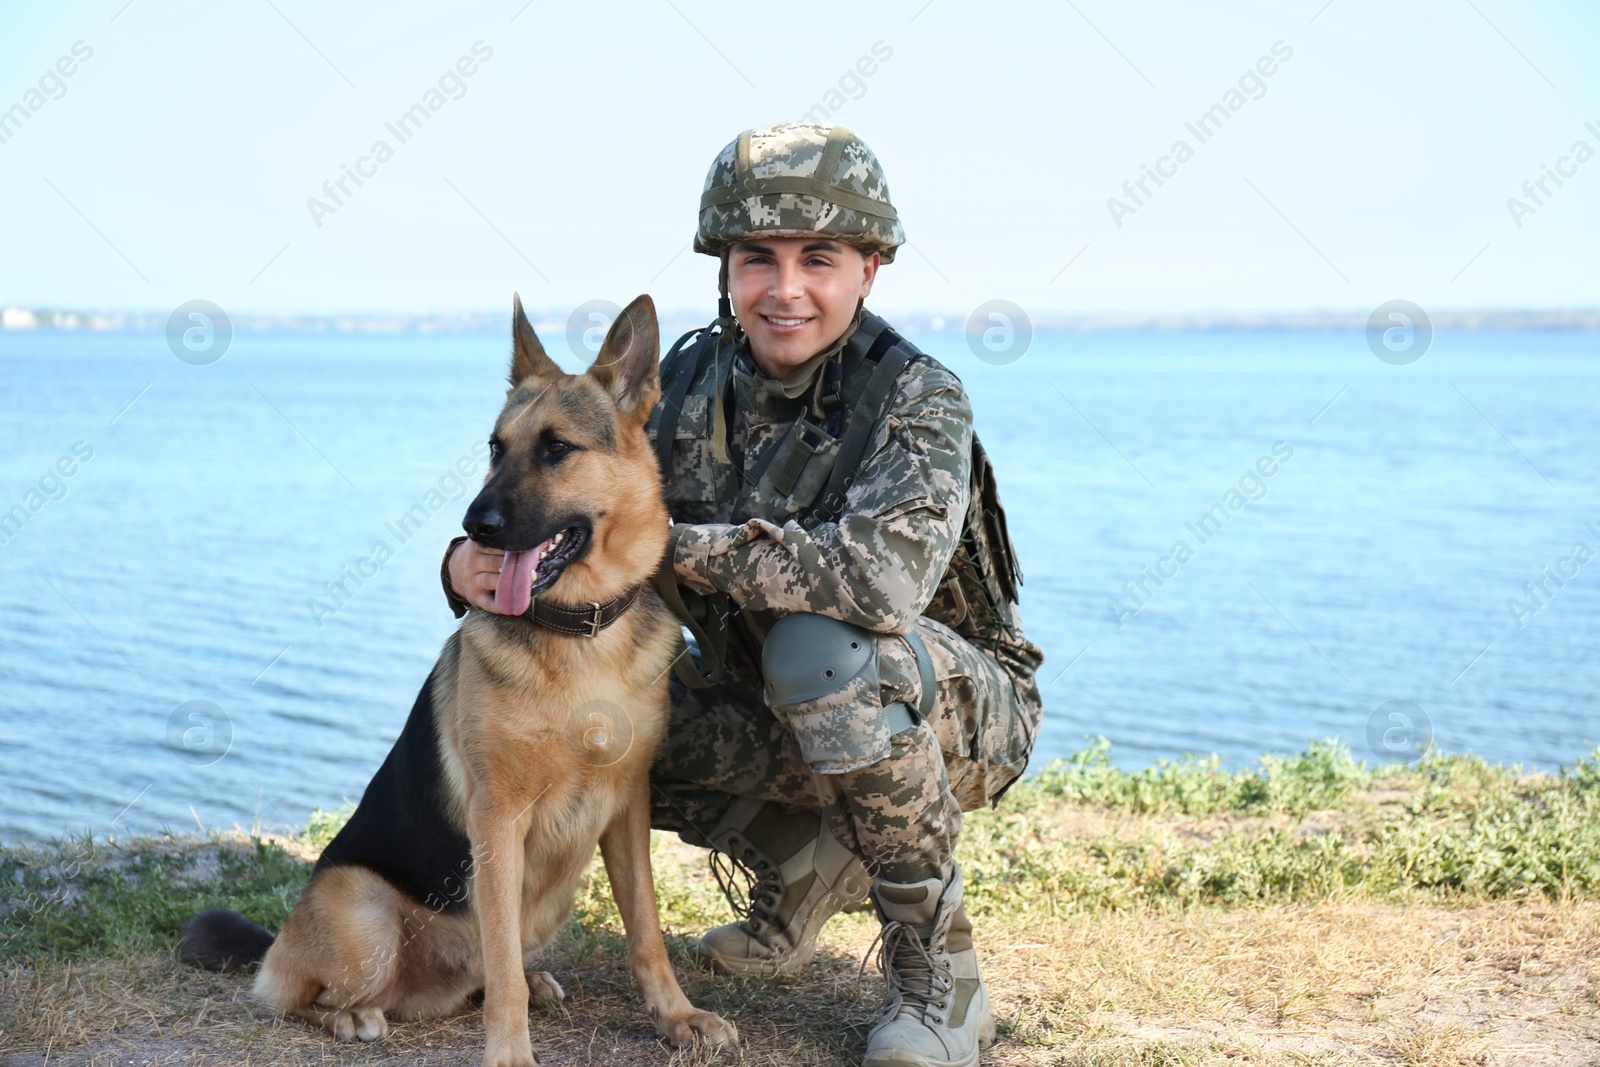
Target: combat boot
936,1013
798,876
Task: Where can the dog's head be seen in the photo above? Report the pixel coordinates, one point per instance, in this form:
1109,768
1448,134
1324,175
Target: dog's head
573,494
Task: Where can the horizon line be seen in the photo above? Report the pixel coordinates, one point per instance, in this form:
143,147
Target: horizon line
16,318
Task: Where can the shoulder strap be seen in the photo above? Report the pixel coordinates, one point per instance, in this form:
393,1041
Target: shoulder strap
884,361
706,618
675,387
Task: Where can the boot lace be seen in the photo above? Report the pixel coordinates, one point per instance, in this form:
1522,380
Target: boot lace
912,974
751,884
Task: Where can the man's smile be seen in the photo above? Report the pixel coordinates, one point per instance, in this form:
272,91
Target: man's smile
782,321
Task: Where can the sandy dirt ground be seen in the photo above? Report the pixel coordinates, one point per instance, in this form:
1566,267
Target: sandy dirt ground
1333,983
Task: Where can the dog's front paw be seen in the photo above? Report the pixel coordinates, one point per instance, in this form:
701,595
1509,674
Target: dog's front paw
532,1060
364,1023
512,1057
697,1026
543,989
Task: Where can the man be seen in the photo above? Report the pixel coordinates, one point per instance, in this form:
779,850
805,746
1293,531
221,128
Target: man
839,553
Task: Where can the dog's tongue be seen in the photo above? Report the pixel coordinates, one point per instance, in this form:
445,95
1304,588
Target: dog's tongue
515,591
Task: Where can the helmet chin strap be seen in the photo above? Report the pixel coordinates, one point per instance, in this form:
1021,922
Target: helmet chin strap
726,326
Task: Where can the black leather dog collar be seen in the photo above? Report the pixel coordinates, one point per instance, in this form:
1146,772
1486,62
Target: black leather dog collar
586,621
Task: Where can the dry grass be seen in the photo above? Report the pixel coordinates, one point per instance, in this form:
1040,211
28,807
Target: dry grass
1331,983
1312,912
1335,983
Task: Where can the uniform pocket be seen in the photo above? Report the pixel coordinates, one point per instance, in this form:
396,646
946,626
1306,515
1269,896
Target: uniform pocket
798,470
693,477
1007,741
984,718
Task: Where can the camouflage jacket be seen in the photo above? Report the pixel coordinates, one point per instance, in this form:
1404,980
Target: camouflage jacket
881,565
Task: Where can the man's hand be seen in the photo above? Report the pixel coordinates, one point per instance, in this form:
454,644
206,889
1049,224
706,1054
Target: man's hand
474,573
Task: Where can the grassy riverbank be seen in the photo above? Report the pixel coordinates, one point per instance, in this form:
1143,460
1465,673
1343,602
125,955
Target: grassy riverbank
1311,910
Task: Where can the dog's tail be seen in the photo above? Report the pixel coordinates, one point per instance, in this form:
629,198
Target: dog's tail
222,940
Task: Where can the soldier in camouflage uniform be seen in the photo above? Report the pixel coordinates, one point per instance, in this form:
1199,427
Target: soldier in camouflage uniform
840,555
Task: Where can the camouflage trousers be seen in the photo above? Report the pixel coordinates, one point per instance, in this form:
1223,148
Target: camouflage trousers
902,813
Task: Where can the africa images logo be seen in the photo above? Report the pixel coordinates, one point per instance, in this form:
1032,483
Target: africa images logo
404,127
1251,85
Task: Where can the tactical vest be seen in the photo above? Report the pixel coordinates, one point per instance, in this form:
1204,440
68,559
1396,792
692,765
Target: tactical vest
806,474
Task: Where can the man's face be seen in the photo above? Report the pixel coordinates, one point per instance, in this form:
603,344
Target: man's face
796,295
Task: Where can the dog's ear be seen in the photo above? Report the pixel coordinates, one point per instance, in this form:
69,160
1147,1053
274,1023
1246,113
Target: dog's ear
527,354
626,365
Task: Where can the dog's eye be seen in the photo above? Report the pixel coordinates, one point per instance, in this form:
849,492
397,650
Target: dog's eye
553,448
495,451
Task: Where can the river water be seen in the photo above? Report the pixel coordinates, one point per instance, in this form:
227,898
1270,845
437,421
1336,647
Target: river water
1352,534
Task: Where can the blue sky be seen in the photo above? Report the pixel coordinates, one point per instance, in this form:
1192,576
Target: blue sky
1375,162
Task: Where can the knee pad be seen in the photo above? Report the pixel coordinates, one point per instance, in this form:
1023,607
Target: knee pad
822,680
807,656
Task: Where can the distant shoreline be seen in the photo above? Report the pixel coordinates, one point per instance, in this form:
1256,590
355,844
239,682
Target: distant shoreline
1580,320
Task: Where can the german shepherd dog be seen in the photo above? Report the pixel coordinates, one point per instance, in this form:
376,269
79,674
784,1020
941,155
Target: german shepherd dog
530,741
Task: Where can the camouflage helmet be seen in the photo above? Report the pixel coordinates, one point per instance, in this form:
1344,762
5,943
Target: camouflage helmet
798,179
